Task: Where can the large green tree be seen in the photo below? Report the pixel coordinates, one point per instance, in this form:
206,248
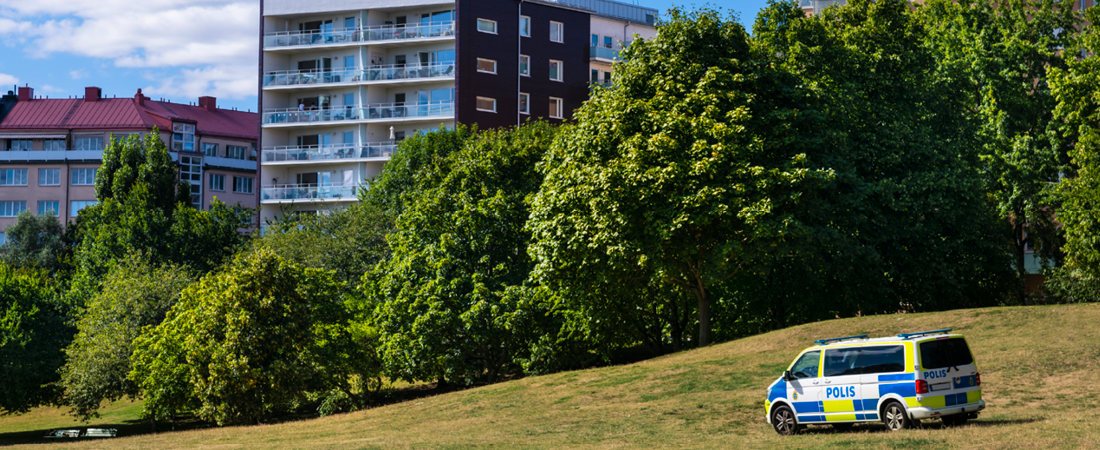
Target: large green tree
134,295
452,300
260,337
994,58
33,334
685,173
34,241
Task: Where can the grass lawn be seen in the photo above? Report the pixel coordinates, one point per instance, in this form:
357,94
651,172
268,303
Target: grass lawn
1040,371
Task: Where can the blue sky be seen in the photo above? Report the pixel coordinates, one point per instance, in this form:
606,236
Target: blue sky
173,49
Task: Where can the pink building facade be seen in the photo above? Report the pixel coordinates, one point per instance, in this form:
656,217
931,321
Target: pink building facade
50,149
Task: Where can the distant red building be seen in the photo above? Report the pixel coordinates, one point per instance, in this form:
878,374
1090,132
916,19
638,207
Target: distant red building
50,149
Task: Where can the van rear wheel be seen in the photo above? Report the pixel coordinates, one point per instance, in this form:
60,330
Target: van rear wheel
895,417
784,421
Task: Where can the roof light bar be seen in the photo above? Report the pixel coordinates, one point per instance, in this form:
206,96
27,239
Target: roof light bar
922,333
822,341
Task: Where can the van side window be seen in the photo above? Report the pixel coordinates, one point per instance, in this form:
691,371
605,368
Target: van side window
841,361
882,359
806,366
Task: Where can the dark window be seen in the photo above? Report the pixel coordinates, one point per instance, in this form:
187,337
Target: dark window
806,366
945,353
882,359
841,361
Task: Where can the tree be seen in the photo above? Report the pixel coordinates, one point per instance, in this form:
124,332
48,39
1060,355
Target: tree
33,241
33,335
257,338
1077,91
994,57
452,300
134,295
685,173
142,208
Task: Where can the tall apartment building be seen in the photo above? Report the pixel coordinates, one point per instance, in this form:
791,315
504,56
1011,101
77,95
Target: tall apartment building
342,82
50,149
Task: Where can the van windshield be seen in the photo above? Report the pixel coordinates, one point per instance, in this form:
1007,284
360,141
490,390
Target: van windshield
945,353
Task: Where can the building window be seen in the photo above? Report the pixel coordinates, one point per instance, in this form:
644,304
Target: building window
13,177
236,152
607,42
242,185
524,26
48,206
555,107
595,40
210,149
12,209
83,177
19,145
77,205
88,143
183,137
525,65
49,177
3,239
486,104
555,70
191,172
595,76
486,26
557,32
607,78
524,103
53,144
486,66
217,182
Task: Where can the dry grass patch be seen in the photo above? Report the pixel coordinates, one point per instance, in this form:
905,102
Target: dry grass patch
1040,372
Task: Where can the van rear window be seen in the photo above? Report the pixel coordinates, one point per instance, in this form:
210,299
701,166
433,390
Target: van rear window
945,353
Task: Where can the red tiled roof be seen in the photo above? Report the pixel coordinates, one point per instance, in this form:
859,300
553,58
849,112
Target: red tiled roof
116,113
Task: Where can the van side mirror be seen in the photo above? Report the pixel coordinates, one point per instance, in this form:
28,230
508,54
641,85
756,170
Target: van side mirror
787,376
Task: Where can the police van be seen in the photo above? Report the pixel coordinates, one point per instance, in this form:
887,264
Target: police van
896,380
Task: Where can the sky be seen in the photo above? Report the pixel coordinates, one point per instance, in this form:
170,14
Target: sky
178,50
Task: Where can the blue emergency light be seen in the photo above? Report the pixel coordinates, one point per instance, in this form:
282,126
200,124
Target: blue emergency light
822,341
922,333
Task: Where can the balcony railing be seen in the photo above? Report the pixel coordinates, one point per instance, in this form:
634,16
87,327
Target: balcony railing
377,73
329,152
370,112
283,39
604,53
51,155
231,163
308,192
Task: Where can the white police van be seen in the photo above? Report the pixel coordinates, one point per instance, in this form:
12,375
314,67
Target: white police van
896,380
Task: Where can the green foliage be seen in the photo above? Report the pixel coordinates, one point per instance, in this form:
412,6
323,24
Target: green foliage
142,209
134,295
994,57
1077,91
33,241
33,332
452,301
419,163
257,338
686,173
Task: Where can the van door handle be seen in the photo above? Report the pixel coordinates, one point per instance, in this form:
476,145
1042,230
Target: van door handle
815,381
827,381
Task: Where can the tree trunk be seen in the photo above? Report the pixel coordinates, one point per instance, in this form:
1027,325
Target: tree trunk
704,316
677,328
1021,241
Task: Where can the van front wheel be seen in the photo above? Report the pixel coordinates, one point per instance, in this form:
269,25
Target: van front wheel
895,418
784,421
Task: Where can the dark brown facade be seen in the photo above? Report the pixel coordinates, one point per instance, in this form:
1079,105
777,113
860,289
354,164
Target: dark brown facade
505,47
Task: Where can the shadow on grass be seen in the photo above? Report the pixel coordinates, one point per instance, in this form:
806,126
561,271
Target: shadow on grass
927,425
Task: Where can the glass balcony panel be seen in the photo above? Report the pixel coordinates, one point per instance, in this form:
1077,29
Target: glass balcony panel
329,152
604,53
369,112
375,73
307,192
367,34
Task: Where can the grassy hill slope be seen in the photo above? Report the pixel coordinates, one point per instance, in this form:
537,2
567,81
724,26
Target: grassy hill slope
1040,371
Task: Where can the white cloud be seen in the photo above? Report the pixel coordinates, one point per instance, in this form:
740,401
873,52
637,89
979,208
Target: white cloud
211,44
7,80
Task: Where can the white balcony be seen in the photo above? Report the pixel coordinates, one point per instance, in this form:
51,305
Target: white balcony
307,193
51,156
392,74
293,40
383,112
378,151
